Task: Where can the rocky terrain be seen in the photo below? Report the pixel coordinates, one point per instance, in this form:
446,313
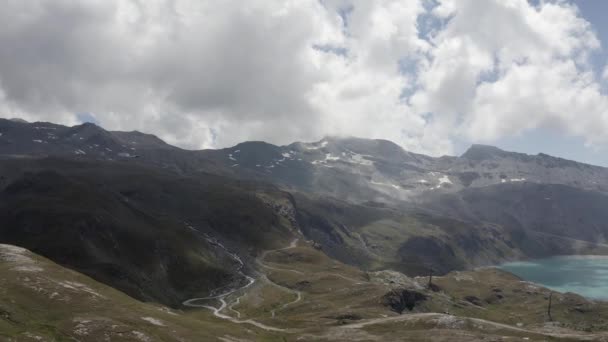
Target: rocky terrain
330,240
349,168
302,296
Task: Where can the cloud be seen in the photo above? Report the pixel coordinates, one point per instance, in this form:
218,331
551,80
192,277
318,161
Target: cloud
501,68
202,73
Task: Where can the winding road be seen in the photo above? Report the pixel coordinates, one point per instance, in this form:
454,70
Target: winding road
217,311
447,317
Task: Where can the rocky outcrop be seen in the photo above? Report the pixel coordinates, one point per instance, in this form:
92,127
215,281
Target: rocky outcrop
401,299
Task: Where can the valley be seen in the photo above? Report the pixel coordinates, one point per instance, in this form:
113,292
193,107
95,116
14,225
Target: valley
333,302
325,241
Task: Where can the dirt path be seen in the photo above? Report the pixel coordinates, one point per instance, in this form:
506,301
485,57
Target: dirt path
298,294
448,318
438,318
217,311
236,302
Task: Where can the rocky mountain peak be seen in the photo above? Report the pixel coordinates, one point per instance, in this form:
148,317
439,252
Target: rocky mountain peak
481,152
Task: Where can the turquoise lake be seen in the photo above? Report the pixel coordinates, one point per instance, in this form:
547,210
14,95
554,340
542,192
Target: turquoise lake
584,275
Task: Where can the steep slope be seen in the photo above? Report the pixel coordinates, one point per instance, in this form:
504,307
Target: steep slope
42,301
155,235
529,210
412,211
439,235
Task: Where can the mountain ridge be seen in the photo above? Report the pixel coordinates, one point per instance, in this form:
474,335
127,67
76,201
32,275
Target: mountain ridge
473,149
258,232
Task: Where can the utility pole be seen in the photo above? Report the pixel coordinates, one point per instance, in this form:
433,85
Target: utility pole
549,307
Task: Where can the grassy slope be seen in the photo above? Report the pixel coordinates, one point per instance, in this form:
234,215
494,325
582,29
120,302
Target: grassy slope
42,300
337,297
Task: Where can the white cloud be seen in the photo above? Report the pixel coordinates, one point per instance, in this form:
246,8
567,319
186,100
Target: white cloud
499,68
205,73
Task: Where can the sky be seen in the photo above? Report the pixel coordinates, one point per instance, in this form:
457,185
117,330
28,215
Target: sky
431,75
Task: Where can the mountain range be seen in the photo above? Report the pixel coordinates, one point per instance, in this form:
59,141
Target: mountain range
166,225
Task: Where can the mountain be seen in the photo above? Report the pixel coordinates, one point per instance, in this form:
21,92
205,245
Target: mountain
361,169
151,233
295,240
391,192
353,168
324,300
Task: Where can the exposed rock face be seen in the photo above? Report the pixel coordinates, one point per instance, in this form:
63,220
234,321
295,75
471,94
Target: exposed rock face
400,299
360,170
551,210
482,152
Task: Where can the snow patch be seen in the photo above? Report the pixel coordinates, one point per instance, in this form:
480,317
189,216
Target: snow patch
445,180
37,141
517,179
328,156
80,152
386,184
360,159
442,180
231,157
